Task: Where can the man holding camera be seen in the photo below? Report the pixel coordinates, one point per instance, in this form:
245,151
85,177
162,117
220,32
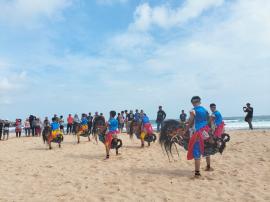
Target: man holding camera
249,110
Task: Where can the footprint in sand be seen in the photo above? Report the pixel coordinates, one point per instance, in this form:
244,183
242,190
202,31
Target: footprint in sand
261,159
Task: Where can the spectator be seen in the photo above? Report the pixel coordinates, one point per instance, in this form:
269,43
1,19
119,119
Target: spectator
46,122
6,129
161,115
18,127
76,123
61,122
69,124
31,120
27,127
129,121
183,116
90,122
38,126
120,120
249,110
137,115
1,128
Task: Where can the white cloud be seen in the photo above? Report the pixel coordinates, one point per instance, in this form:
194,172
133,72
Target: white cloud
28,11
166,17
111,2
223,59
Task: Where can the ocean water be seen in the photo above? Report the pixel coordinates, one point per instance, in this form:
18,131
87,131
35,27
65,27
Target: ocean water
231,123
238,123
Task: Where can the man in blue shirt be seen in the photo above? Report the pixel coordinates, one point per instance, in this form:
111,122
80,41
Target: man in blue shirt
113,126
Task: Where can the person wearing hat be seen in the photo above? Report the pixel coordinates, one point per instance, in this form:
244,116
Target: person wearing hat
161,115
249,110
199,117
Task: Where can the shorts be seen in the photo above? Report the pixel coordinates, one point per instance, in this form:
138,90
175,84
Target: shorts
197,151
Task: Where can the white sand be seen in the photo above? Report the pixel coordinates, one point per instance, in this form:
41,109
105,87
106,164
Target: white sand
30,172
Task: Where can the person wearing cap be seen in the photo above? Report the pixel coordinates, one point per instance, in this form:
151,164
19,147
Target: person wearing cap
161,115
249,110
217,123
199,120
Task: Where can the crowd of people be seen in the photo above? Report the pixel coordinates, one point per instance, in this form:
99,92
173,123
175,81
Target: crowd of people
32,126
198,125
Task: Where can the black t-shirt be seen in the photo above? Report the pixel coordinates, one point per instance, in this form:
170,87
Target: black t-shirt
31,119
90,120
1,125
6,126
161,115
249,111
130,117
183,117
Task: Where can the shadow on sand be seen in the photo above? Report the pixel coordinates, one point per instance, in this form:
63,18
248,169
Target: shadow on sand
161,171
86,156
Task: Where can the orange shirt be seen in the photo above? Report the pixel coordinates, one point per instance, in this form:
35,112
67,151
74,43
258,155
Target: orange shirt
70,119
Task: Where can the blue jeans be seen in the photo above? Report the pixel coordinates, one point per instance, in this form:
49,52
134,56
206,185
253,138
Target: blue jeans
159,126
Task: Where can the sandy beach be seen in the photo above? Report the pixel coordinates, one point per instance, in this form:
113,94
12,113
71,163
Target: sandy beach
31,172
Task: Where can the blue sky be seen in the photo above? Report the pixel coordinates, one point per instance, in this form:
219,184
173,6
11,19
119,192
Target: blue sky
74,56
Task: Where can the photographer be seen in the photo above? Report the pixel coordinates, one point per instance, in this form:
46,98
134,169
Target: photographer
249,110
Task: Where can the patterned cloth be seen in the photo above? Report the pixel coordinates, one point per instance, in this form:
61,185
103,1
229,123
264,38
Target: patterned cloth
197,136
84,128
109,137
56,135
219,130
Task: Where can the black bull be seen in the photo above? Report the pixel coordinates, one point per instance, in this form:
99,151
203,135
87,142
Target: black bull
173,134
46,133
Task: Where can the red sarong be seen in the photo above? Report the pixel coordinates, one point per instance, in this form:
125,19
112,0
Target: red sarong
110,136
148,128
198,135
219,130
